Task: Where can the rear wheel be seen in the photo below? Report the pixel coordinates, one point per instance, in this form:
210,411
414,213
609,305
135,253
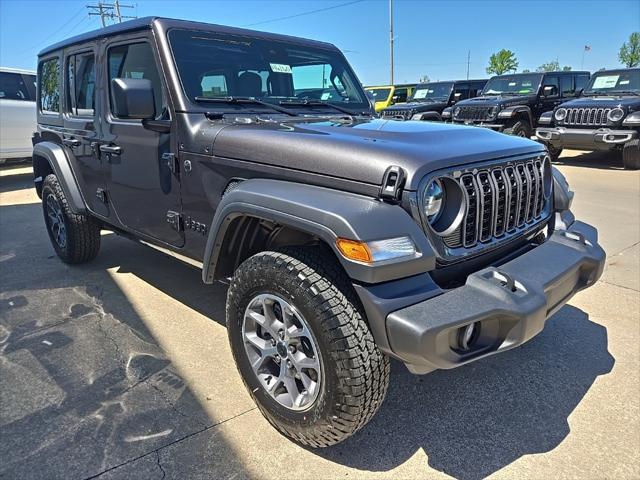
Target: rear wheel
303,347
631,155
75,237
519,128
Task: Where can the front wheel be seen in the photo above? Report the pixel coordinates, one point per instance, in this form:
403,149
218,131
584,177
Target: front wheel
631,155
519,128
303,347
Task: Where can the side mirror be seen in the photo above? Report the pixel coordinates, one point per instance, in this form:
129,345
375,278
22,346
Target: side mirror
133,98
549,91
394,99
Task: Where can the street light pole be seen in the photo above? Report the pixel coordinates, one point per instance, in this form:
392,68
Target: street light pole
391,37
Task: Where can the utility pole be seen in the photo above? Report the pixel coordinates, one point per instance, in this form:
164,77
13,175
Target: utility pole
391,37
468,61
109,10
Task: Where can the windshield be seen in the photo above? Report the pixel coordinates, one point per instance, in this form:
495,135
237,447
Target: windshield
614,82
378,94
432,91
513,84
217,65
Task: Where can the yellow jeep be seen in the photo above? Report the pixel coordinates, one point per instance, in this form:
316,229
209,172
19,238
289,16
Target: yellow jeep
384,96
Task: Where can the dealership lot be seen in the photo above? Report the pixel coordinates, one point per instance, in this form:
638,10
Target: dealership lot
120,368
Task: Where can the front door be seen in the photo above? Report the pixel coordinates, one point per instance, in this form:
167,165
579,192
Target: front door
143,188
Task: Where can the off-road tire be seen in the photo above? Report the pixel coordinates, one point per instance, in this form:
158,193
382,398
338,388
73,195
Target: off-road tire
82,231
631,155
519,128
355,372
554,153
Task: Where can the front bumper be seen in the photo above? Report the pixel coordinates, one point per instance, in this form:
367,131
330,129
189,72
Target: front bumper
511,303
585,138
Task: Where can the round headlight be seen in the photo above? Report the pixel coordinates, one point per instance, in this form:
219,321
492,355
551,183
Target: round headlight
493,111
560,114
615,115
433,200
456,111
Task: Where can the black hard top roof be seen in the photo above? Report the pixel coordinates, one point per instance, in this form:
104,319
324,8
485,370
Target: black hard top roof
558,72
148,22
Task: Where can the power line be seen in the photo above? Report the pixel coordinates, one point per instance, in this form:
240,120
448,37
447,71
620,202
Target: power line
51,35
310,12
109,10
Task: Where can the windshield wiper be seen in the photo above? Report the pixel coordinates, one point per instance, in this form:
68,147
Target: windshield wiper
305,102
245,100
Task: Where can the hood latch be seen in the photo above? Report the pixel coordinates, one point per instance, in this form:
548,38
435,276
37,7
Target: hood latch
392,183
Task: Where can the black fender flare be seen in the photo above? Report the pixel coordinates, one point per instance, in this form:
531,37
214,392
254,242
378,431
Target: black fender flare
516,110
327,214
59,162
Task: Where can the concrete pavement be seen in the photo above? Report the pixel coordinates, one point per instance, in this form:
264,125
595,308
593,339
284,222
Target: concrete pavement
121,369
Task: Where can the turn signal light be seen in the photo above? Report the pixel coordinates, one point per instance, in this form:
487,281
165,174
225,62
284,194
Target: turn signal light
354,250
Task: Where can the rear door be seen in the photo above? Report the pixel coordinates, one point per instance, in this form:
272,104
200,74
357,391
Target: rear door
548,103
80,133
17,114
144,187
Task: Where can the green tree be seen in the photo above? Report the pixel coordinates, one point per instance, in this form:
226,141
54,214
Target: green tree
424,79
552,66
502,62
566,68
629,54
526,70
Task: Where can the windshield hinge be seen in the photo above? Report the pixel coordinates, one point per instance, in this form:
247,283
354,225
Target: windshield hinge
171,161
392,183
175,220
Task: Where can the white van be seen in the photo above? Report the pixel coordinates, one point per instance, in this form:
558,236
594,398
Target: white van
17,113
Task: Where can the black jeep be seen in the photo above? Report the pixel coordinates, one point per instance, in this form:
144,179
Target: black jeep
607,117
346,240
430,99
512,104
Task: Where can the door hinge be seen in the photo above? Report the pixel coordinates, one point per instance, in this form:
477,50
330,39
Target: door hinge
392,183
175,220
101,194
171,161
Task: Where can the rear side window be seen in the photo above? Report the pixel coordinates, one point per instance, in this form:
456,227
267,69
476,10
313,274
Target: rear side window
16,86
581,81
566,85
462,89
136,61
81,84
50,86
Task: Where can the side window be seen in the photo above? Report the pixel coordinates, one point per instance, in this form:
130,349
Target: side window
581,81
30,83
50,86
14,87
401,94
81,84
462,89
566,85
136,61
214,85
551,81
475,89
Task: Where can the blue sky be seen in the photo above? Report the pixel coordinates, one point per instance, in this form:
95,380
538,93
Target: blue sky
432,37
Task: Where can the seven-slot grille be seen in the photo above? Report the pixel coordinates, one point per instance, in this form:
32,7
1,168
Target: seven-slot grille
473,113
500,201
397,113
585,116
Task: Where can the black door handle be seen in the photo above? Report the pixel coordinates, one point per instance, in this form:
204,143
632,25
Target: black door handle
111,149
71,142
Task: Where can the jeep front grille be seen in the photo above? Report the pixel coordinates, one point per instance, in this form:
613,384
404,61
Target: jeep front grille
501,202
397,114
585,116
473,113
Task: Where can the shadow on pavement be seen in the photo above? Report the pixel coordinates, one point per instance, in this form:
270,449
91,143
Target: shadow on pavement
474,420
85,385
597,160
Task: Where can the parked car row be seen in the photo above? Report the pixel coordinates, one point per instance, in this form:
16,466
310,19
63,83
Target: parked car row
17,113
568,109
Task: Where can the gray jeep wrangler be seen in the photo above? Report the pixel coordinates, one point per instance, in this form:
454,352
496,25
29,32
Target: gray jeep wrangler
347,240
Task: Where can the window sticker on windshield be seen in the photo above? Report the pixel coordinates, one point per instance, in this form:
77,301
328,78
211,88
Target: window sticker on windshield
280,68
421,93
624,82
605,81
512,84
526,84
325,96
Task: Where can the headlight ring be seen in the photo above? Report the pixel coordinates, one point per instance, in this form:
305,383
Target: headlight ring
560,114
615,115
443,205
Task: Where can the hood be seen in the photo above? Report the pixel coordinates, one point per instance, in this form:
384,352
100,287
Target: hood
502,101
362,150
426,106
630,103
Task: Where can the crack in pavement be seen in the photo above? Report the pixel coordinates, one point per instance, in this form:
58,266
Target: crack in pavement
181,439
619,286
164,474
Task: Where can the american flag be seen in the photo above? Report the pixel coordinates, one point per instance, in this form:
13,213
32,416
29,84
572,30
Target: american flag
587,48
